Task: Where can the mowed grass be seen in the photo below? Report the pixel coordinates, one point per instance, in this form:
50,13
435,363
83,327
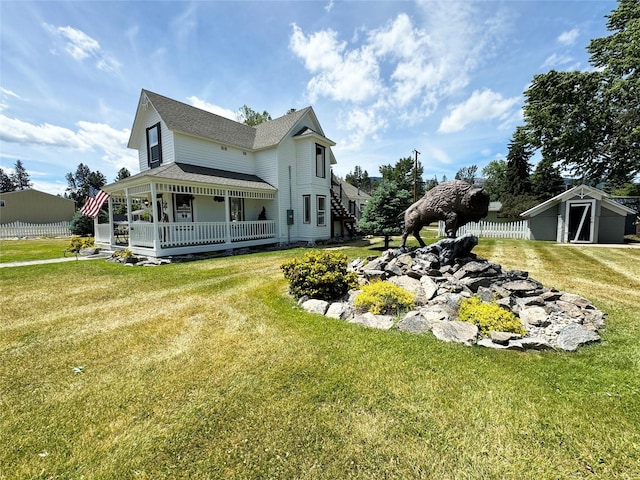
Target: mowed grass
209,370
33,249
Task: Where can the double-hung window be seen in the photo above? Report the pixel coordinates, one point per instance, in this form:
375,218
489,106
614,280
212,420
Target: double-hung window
321,210
321,170
154,146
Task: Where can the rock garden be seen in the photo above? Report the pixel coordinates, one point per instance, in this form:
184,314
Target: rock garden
456,296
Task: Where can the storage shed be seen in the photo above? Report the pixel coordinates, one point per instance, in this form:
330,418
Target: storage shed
582,214
34,206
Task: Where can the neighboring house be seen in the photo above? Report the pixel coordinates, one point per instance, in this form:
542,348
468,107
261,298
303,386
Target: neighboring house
582,214
347,204
210,183
33,206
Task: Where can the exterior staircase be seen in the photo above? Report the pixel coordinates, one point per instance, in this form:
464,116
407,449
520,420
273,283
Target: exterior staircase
340,213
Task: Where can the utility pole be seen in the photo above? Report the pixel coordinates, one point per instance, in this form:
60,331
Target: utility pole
415,176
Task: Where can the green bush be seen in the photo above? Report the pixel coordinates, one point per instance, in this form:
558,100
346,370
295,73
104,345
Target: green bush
77,243
83,225
319,274
383,298
489,316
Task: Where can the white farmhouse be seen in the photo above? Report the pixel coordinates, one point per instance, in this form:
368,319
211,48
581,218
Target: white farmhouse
209,183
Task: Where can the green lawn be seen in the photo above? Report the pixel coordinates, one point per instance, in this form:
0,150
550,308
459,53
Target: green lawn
33,249
208,370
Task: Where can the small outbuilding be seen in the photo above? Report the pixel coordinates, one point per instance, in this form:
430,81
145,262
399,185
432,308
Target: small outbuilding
582,214
34,206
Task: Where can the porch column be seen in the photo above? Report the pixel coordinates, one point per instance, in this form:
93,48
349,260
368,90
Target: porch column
112,239
154,215
129,216
227,217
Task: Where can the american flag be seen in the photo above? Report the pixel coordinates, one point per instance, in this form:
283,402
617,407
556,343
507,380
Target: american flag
94,201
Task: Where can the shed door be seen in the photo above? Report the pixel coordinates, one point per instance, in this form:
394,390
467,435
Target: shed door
581,221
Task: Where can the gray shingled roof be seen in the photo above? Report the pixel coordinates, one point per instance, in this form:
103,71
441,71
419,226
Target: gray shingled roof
194,173
184,118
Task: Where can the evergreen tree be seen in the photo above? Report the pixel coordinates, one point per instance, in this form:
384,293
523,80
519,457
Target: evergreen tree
20,177
6,184
78,184
383,213
429,184
402,175
359,178
122,174
546,181
518,167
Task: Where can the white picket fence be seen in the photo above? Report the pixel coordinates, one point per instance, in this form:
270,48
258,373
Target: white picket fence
519,229
20,229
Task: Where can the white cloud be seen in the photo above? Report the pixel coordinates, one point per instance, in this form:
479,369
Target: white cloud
340,74
210,107
569,37
558,61
329,6
89,137
81,46
400,71
480,107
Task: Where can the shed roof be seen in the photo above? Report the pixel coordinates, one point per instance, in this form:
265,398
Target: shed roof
581,191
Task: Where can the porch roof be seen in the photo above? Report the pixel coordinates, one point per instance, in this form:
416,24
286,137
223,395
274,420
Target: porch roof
194,174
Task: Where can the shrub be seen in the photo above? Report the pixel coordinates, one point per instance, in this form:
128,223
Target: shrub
489,316
125,254
83,225
318,274
383,298
77,243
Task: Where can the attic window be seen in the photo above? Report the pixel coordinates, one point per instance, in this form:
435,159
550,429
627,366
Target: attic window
154,146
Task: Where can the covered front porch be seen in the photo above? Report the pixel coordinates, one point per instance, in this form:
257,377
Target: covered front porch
159,215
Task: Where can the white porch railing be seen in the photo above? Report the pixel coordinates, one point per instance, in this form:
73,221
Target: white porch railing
20,229
519,229
141,234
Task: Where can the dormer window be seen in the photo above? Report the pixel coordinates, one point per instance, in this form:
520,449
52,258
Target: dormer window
154,146
321,170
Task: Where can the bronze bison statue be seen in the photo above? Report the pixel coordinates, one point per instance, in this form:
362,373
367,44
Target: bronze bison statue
456,203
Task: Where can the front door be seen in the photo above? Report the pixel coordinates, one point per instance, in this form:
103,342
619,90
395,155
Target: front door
581,221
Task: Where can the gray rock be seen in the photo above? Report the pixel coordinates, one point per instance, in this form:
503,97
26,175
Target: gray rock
435,313
455,331
429,287
503,338
577,300
383,322
316,306
375,274
414,322
521,287
486,342
532,343
536,316
573,336
409,284
339,310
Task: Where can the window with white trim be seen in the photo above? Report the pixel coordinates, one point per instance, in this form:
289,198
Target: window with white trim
306,209
154,146
321,210
321,170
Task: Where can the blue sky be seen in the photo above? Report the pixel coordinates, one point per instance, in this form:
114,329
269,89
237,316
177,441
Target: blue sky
384,78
